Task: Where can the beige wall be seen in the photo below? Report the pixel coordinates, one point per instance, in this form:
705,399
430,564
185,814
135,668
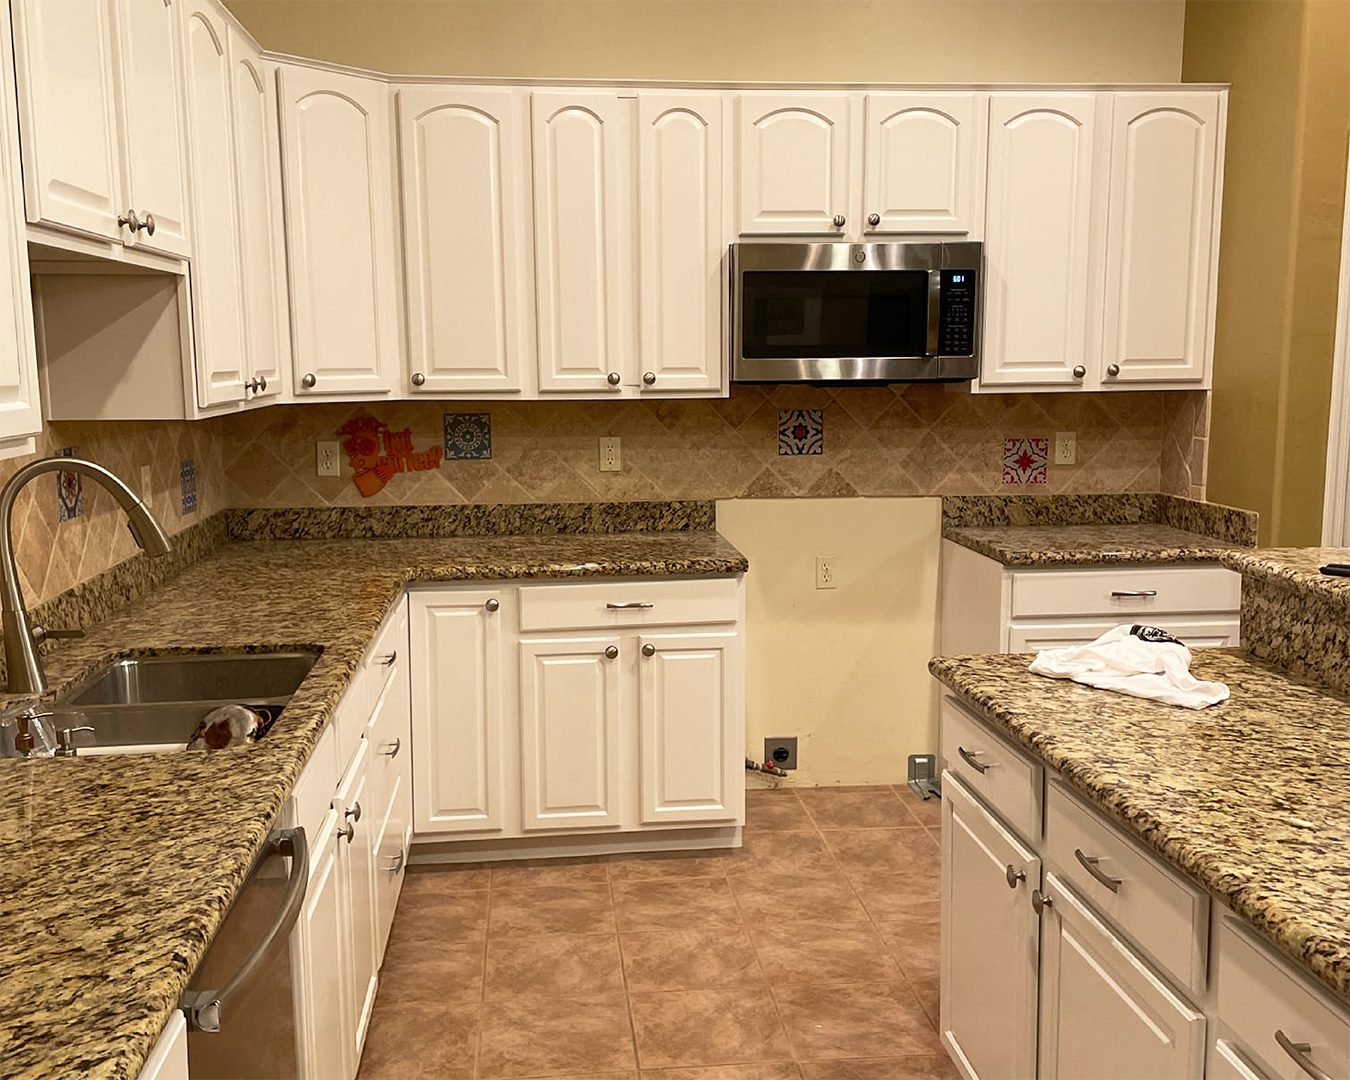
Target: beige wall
1289,63
786,40
845,669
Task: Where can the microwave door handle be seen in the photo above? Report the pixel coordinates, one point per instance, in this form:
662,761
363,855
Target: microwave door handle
203,1008
934,309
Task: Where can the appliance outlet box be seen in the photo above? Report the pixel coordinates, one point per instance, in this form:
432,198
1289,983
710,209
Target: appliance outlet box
145,491
781,752
610,460
827,572
329,461
1066,447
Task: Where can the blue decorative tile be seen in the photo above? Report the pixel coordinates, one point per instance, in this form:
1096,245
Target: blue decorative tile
187,477
801,431
1026,461
69,489
468,436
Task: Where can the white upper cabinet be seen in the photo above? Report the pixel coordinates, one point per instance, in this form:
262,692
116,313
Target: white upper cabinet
217,299
682,237
1160,247
924,163
582,195
1041,272
342,232
796,164
151,123
467,229
261,242
68,123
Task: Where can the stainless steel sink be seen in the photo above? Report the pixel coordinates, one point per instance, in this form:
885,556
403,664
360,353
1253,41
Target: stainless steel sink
155,702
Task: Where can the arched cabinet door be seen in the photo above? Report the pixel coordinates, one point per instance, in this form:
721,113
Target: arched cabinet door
466,238
795,165
1160,247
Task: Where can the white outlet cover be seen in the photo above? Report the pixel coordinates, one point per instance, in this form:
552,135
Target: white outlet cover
611,459
827,572
328,461
1066,447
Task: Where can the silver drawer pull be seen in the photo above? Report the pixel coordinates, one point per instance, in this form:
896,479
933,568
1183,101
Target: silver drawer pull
395,862
632,605
1299,1052
1133,594
980,767
388,658
392,748
1089,863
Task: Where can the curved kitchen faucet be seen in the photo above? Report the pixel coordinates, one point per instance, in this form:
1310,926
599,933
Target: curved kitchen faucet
23,667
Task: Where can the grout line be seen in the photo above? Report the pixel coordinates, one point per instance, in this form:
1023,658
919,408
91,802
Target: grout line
623,974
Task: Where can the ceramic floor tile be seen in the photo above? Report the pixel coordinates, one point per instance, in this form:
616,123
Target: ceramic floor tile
826,1022
929,1067
696,958
551,872
407,1041
775,811
554,1036
707,1027
913,942
458,918
928,811
876,808
551,909
880,850
784,899
665,865
775,1070
793,854
443,880
656,905
928,989
899,897
818,952
431,972
562,965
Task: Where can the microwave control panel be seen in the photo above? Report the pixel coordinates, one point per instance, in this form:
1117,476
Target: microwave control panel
956,317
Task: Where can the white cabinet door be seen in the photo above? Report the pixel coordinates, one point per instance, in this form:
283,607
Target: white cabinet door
342,232
457,720
796,164
68,120
1104,1014
569,721
150,123
168,1058
257,167
690,744
321,963
356,873
923,163
20,412
217,296
582,220
681,240
467,229
1160,244
1041,277
990,938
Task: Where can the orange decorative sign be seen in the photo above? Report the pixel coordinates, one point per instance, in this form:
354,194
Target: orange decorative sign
376,454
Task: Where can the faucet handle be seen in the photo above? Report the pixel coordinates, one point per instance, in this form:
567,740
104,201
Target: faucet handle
41,634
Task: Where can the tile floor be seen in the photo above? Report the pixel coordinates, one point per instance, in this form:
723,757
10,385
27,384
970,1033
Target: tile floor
808,954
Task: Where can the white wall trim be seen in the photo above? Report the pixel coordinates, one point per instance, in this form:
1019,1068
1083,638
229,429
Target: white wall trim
1336,501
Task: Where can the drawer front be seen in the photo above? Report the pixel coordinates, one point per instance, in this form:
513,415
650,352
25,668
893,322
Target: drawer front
390,740
388,652
634,603
350,718
1258,996
1124,594
1166,915
313,792
990,766
1216,633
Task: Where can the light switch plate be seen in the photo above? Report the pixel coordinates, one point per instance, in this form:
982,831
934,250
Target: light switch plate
1066,447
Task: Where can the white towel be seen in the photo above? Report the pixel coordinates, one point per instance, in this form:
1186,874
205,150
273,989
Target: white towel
1142,661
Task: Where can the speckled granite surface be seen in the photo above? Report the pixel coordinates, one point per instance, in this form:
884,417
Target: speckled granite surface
116,871
1086,545
1248,798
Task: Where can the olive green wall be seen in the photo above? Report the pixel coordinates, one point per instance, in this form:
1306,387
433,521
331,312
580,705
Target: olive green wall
1289,111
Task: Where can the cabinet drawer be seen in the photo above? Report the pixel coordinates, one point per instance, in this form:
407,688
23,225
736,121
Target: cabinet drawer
313,793
633,603
1125,593
1258,997
1214,633
990,766
1164,914
388,652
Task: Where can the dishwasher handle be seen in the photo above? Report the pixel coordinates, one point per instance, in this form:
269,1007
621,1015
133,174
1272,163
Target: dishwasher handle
203,1008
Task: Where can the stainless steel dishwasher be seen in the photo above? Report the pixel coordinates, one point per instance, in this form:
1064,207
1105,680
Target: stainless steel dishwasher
240,1004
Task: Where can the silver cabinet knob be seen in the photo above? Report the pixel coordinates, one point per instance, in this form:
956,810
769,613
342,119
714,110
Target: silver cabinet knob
1014,876
1079,371
308,380
257,385
611,652
649,378
492,604
418,379
148,224
353,812
347,832
612,378
262,382
839,221
1113,370
874,220
1039,901
649,649
129,220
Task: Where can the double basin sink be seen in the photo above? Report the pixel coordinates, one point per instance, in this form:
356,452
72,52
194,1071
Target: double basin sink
154,703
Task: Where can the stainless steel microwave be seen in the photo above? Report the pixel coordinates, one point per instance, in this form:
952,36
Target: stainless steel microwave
855,312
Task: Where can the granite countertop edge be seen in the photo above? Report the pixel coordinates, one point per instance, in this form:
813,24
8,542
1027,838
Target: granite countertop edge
1006,544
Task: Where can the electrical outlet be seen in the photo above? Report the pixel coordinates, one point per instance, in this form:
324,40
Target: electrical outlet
781,752
827,571
145,492
328,459
610,460
1066,447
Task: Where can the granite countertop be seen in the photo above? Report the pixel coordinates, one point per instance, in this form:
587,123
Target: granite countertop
1297,567
1248,798
1086,545
116,871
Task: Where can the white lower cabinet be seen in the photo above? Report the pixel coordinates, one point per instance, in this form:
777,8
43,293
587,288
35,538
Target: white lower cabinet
356,877
322,976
